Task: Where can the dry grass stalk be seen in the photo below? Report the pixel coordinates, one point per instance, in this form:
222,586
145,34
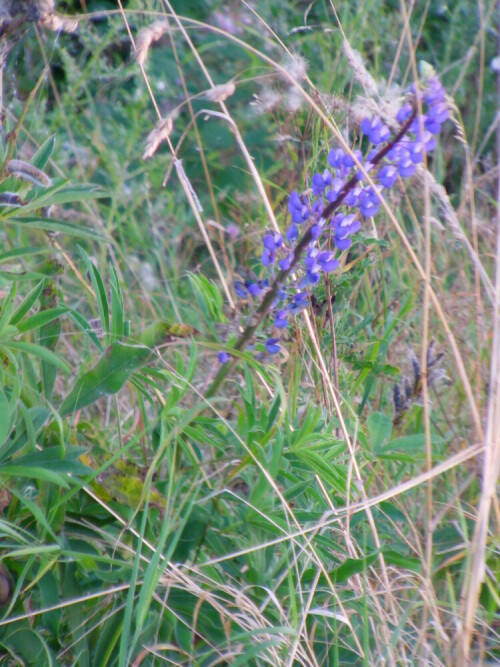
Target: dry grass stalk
157,136
146,37
222,92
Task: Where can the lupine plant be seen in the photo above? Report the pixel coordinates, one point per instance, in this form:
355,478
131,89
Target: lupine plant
331,211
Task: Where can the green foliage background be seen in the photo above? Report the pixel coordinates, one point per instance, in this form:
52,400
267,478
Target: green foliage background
142,524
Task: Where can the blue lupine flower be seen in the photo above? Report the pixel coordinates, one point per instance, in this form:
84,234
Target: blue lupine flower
369,203
352,198
416,152
327,261
375,130
400,160
404,113
253,288
336,158
344,226
292,233
434,91
406,166
348,160
240,290
272,345
388,175
223,357
286,262
337,185
280,321
299,302
271,241
316,230
298,210
320,182
312,268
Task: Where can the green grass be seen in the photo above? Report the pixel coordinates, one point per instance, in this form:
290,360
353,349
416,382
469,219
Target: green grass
291,516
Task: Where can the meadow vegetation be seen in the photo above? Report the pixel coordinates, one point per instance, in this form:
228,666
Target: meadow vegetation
220,445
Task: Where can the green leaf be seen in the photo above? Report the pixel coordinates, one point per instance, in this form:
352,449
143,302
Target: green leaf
59,194
47,465
27,426
394,558
99,289
114,368
42,155
41,319
27,303
380,429
4,417
49,334
7,307
23,252
411,444
41,352
352,566
117,323
51,225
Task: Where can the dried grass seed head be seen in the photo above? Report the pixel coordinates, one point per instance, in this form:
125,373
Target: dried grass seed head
146,37
157,136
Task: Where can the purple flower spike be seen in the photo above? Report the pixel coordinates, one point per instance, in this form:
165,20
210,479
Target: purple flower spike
280,321
223,357
272,345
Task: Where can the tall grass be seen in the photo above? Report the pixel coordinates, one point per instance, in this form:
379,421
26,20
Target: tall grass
331,504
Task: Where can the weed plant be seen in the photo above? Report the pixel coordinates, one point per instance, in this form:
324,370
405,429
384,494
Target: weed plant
249,333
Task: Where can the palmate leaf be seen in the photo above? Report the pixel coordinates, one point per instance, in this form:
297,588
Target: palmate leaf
117,363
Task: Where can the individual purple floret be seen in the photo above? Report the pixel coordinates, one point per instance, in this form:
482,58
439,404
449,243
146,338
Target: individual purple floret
375,130
272,345
240,289
280,321
320,182
299,301
388,175
298,209
223,357
271,243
